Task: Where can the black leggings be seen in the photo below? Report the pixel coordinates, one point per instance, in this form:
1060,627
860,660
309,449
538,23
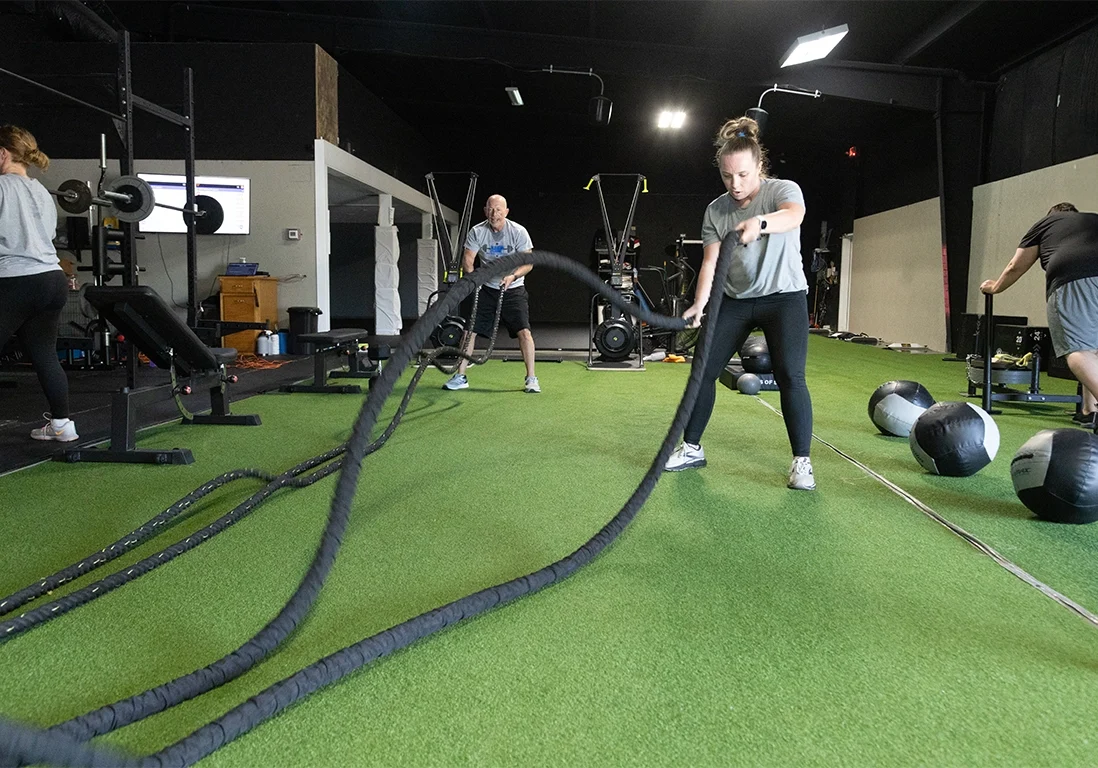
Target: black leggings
783,318
30,307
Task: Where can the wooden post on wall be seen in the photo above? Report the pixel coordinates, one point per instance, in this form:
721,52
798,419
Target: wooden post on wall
327,97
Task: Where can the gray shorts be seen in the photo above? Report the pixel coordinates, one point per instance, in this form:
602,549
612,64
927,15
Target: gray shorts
1073,316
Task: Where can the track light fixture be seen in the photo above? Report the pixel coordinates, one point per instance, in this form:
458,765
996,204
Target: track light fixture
514,95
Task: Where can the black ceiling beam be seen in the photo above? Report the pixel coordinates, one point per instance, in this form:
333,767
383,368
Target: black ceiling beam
891,84
518,49
937,30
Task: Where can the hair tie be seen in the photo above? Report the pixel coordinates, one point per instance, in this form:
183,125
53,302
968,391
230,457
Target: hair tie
741,134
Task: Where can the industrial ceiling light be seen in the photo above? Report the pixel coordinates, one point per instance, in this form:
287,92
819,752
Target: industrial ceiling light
673,119
814,46
514,95
759,115
600,107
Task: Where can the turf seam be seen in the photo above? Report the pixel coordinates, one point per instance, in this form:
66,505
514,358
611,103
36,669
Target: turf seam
972,539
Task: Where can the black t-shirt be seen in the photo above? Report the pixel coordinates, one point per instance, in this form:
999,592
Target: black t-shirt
1067,244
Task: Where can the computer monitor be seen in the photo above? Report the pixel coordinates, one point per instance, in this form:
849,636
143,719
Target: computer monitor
233,193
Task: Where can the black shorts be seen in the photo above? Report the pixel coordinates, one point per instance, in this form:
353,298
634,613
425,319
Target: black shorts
515,315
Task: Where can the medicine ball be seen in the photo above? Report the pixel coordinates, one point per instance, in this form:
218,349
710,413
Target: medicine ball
749,384
755,356
1055,474
955,439
895,405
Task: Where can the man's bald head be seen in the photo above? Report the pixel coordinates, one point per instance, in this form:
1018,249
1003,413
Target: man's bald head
496,210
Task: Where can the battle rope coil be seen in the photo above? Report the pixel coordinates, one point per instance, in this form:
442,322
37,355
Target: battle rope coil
25,744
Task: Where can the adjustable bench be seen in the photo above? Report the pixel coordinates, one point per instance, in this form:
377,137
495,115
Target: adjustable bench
336,341
142,317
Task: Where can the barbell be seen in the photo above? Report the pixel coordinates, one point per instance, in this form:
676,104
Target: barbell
130,199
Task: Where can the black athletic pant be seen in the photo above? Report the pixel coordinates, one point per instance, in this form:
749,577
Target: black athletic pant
30,307
783,318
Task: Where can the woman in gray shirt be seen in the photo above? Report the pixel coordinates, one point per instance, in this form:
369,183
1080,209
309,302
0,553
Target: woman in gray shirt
765,289
33,288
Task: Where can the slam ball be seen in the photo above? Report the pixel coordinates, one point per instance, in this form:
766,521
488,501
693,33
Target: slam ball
749,384
1055,474
755,356
895,405
955,439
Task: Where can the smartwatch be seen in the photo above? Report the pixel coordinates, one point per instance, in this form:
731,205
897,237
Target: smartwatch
762,223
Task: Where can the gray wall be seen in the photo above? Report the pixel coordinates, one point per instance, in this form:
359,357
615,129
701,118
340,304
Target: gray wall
281,198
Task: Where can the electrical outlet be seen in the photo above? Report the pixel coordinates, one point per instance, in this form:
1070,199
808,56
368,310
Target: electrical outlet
293,234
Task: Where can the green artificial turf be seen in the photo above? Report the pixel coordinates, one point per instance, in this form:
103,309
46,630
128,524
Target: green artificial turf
734,623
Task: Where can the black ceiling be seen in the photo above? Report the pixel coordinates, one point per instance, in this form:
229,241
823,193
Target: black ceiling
442,65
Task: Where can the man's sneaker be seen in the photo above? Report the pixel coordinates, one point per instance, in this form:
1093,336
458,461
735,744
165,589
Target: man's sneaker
65,433
532,384
686,456
457,381
800,475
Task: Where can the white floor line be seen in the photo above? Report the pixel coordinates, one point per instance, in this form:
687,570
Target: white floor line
1013,568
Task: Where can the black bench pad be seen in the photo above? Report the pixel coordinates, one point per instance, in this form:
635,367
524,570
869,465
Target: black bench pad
334,337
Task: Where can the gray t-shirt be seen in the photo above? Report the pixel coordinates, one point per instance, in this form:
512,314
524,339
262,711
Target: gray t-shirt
492,245
28,222
771,264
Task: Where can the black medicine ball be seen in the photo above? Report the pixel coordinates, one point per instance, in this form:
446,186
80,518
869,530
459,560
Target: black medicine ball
755,356
895,405
1055,474
955,439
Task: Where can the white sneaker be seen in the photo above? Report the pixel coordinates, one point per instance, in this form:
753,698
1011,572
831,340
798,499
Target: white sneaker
686,456
65,433
800,475
532,384
457,381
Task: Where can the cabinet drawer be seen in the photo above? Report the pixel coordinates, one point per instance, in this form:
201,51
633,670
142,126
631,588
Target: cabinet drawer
237,285
238,307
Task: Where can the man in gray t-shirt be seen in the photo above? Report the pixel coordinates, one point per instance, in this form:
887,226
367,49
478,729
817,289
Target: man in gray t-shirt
493,239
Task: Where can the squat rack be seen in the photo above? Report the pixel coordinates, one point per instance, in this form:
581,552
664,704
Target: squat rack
123,119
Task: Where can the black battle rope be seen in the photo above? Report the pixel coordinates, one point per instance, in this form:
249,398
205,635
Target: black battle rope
450,369
291,478
25,744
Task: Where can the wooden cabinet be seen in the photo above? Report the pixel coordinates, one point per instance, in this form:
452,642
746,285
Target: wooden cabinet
248,300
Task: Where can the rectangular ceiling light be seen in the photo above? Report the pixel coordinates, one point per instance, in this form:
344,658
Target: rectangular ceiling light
514,95
671,119
814,46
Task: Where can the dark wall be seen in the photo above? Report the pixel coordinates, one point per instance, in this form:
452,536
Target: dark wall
351,267
252,101
371,131
1046,110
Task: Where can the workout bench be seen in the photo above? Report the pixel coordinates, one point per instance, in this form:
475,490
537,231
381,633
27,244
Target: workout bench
338,341
149,324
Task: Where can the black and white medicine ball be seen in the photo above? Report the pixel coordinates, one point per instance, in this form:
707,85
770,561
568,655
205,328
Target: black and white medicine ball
1055,474
894,406
955,439
755,355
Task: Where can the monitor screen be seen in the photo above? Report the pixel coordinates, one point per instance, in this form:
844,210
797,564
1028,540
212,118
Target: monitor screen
234,194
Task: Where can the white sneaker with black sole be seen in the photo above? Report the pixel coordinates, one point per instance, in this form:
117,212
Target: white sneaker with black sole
457,381
686,456
800,475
